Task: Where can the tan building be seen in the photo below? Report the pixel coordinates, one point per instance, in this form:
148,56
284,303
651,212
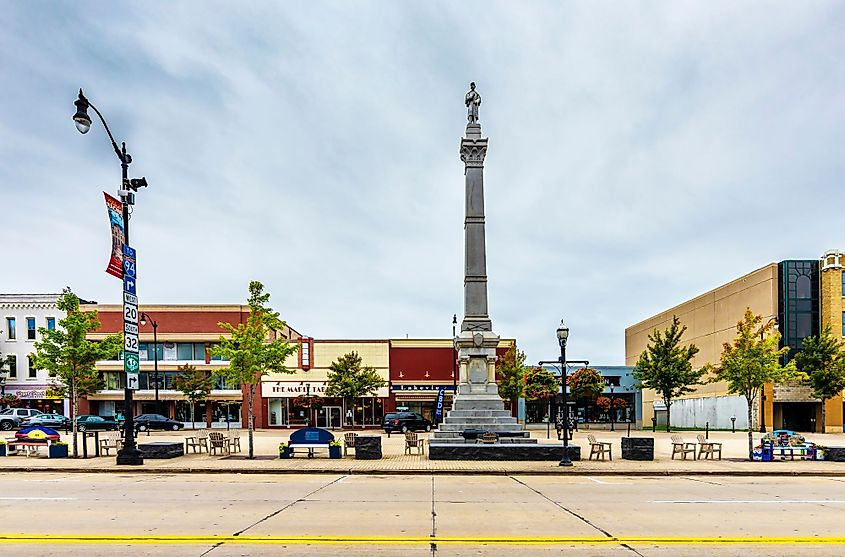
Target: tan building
798,297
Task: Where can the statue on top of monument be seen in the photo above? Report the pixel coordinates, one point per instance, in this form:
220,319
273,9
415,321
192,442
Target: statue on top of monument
473,101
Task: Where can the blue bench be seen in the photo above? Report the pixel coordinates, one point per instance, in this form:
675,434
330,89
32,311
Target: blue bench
310,439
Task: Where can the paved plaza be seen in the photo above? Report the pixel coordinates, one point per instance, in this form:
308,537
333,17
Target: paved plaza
395,461
421,514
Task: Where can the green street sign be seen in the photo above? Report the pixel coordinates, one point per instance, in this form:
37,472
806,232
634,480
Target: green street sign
130,362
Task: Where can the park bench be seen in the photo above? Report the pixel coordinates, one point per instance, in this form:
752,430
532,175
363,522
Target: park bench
708,448
679,446
310,439
110,440
598,448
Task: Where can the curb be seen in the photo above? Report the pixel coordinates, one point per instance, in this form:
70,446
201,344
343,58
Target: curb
422,472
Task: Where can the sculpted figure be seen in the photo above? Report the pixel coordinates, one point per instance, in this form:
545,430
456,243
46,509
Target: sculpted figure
473,101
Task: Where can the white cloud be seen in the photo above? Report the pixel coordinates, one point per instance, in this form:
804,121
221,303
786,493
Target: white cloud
640,153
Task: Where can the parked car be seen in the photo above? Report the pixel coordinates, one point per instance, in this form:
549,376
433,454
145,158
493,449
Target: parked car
405,421
156,421
87,422
48,420
12,417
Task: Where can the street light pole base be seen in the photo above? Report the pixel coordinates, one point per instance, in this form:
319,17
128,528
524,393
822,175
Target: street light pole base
130,457
565,462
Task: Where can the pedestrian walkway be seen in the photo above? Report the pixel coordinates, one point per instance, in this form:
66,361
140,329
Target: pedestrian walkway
395,461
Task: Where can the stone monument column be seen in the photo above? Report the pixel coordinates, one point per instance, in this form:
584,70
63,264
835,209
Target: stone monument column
477,406
476,343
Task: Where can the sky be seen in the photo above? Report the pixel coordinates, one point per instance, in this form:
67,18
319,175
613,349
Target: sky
640,154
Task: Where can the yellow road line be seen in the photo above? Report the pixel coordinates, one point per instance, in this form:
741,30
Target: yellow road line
48,539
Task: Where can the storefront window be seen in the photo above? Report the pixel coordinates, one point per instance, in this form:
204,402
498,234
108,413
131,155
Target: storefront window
278,408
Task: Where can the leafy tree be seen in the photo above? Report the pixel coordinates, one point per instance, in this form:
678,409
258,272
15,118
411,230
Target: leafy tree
665,366
823,360
510,369
196,385
350,379
585,383
539,383
253,350
70,358
751,361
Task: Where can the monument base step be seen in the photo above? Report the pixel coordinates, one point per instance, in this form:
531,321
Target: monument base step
500,451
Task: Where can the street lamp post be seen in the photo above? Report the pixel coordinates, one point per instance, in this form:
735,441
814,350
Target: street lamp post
612,409
129,453
144,318
562,335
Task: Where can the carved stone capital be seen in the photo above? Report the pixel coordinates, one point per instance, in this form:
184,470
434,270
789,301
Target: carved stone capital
473,152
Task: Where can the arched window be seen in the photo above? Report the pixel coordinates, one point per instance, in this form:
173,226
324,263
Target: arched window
802,287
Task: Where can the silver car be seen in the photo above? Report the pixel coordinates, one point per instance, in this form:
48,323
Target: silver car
12,417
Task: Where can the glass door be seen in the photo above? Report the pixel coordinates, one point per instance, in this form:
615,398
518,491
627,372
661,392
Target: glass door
335,417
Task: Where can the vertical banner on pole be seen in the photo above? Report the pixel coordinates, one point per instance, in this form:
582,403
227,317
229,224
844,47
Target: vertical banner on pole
438,407
131,362
118,236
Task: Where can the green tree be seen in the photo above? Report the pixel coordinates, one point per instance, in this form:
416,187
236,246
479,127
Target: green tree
824,363
254,349
350,379
510,369
751,361
665,366
195,384
70,358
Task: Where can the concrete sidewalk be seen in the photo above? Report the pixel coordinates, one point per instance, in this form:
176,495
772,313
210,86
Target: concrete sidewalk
396,462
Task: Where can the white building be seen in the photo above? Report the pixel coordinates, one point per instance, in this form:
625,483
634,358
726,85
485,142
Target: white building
20,317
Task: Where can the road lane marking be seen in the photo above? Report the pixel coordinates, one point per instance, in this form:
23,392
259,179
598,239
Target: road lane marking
36,498
47,539
752,502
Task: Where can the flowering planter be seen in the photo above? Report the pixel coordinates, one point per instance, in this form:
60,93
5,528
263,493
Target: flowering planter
335,452
58,451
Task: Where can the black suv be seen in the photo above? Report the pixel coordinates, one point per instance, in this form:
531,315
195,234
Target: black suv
405,421
156,421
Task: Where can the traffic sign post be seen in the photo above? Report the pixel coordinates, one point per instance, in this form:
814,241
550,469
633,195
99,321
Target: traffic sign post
131,360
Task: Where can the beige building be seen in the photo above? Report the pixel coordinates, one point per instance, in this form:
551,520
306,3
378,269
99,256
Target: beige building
800,295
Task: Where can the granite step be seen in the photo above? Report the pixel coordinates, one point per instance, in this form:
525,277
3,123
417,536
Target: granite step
480,420
478,413
462,441
485,427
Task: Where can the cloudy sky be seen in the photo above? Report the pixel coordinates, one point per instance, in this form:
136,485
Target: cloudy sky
640,154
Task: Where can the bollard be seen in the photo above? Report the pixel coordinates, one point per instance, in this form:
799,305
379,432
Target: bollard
653,424
629,428
733,424
707,430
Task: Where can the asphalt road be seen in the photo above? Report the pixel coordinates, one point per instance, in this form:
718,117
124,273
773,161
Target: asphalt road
233,514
